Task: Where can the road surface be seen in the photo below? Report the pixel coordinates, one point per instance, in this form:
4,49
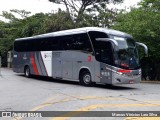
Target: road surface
18,93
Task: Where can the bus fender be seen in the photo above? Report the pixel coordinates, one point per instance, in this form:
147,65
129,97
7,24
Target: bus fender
84,68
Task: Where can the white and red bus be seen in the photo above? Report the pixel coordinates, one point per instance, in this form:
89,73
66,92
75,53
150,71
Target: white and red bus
88,55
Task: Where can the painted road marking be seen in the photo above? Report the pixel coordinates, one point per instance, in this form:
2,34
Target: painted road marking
142,118
93,107
152,101
39,107
50,102
44,103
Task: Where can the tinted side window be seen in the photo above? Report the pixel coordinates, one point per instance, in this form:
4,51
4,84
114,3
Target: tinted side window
66,42
105,53
40,44
16,45
21,46
48,44
81,42
103,50
95,34
32,45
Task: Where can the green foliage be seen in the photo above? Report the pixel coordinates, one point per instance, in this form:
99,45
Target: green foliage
29,26
56,22
8,15
76,8
32,25
143,23
8,33
144,26
22,13
40,23
103,16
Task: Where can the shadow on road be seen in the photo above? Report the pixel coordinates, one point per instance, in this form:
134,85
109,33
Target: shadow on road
104,86
114,87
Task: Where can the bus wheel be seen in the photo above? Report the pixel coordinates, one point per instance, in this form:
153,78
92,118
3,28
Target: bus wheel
27,71
85,79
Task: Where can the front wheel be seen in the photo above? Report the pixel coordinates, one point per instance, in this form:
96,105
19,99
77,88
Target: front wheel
27,72
85,79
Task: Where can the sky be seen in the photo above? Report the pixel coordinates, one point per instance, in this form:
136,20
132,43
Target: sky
37,6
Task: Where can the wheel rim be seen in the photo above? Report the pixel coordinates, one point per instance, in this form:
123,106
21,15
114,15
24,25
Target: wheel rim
87,79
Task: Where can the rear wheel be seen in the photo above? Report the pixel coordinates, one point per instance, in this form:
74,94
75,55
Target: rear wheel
27,71
85,79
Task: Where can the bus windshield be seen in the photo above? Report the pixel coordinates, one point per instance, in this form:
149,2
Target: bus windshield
127,55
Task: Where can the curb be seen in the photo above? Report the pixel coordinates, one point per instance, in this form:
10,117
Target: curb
155,82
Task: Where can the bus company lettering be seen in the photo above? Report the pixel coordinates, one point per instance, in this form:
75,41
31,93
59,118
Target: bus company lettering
24,56
47,55
56,54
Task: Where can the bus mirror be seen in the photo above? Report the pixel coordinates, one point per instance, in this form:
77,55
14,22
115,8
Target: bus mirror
114,42
144,46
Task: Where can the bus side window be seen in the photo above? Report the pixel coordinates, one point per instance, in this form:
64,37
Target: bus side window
66,42
52,43
103,50
95,34
46,44
33,45
104,54
21,46
81,42
16,46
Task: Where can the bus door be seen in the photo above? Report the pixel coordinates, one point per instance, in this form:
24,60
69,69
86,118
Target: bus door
67,68
104,54
56,65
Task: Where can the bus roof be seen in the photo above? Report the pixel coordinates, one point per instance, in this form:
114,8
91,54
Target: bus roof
78,30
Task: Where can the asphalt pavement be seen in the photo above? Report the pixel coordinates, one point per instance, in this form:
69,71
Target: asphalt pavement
18,93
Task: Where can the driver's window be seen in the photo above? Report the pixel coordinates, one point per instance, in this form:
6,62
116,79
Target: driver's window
104,53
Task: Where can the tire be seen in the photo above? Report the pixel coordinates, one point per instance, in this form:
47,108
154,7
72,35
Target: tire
85,79
27,72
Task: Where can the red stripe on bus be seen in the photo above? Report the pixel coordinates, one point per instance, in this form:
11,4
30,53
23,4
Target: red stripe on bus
33,62
44,64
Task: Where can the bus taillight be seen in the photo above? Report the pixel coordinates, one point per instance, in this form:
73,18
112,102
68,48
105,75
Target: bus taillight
89,58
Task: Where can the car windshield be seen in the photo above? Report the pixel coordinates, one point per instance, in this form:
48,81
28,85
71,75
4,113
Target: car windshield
127,55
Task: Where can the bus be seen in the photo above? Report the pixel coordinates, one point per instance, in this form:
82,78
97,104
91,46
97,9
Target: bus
88,55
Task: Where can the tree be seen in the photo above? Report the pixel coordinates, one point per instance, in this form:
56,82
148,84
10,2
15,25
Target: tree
6,40
32,25
8,16
76,8
57,21
8,33
105,17
28,26
22,13
143,23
